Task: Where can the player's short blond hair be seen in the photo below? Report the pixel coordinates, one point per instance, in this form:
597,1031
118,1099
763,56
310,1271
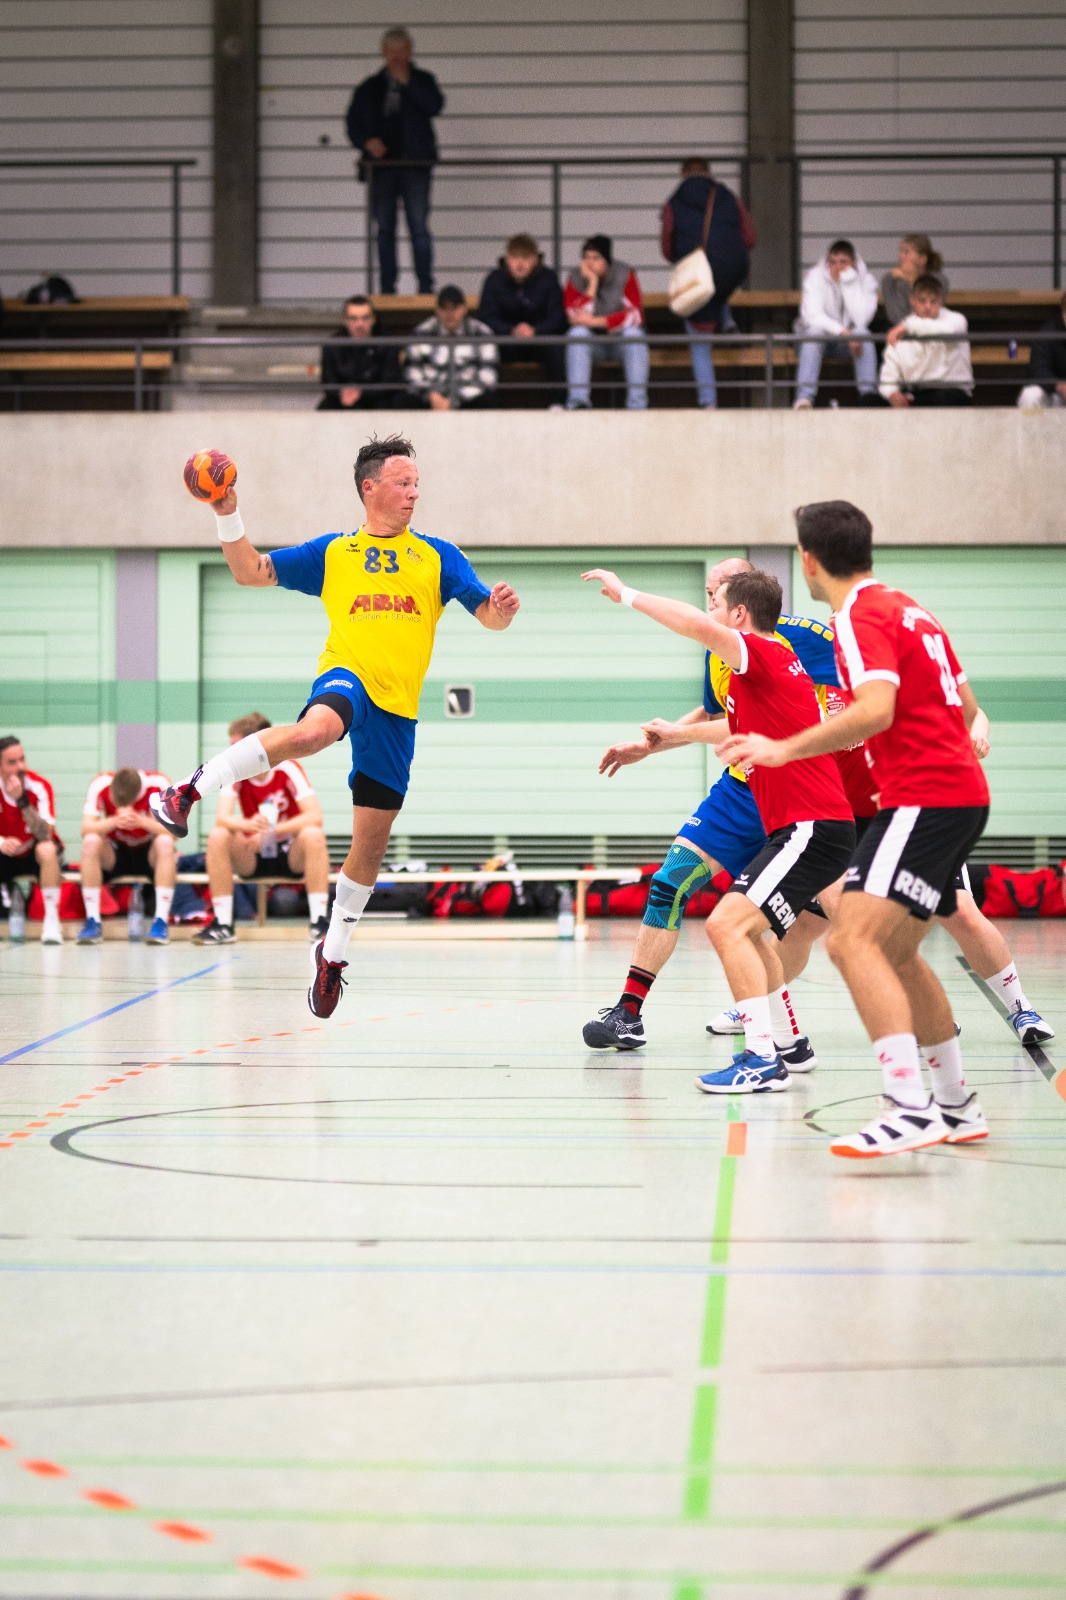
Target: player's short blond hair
251,722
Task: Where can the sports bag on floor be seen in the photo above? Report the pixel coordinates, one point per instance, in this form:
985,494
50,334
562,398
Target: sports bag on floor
1024,894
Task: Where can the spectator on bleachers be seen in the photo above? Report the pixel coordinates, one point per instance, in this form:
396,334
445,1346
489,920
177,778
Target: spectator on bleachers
359,375
604,304
839,299
522,299
920,368
390,118
917,259
453,365
730,236
1047,366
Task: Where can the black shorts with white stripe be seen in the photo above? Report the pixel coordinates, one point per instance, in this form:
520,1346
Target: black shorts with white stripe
914,855
794,864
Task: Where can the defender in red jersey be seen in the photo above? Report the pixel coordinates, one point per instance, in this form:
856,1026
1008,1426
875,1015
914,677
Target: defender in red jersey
806,815
914,708
29,844
120,838
265,827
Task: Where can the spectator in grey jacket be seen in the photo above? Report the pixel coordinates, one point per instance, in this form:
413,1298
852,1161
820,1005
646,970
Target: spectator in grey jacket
839,300
1047,367
452,365
917,259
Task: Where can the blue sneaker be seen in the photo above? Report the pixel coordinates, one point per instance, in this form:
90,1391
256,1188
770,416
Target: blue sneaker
92,933
746,1074
157,933
1031,1027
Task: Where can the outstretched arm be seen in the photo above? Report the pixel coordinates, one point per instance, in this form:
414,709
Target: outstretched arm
871,712
498,611
679,617
251,570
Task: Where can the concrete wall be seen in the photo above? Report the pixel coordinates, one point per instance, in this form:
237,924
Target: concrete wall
541,479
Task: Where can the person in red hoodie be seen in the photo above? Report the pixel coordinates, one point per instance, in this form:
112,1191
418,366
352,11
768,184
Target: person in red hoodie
603,304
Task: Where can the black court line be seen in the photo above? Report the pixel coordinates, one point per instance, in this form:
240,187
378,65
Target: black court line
887,1558
1037,1055
356,1386
63,1142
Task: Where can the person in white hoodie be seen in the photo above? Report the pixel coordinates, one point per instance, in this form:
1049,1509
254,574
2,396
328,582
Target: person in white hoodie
839,301
920,367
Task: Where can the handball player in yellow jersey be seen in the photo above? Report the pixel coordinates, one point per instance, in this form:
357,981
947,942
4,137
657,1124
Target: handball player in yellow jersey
384,588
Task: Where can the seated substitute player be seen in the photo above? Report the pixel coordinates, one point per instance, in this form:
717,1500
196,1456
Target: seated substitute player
121,839
384,588
808,821
914,708
724,832
266,827
29,844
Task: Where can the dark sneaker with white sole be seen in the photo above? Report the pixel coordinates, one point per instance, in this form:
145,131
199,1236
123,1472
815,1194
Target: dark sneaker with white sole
319,929
965,1123
171,806
798,1056
615,1029
1030,1026
215,933
325,992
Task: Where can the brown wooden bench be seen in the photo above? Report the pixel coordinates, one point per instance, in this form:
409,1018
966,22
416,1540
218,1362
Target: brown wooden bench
84,360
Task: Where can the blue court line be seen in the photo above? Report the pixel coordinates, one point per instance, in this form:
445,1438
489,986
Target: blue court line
75,1027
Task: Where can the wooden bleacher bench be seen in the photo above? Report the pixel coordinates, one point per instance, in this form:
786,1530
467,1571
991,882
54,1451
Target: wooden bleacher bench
84,360
147,307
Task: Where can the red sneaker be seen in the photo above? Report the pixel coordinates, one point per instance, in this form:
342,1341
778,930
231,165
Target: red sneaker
325,992
171,806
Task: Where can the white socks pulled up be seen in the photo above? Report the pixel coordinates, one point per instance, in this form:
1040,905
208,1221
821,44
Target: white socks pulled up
245,759
348,907
758,1030
901,1069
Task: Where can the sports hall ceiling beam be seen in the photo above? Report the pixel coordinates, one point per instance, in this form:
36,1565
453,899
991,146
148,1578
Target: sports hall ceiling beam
235,278
771,143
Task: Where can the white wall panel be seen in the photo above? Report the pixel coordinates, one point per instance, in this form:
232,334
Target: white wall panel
958,76
99,78
550,82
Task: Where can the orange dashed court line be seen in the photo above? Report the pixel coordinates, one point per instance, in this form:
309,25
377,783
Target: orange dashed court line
270,1568
44,1469
736,1140
108,1500
1060,1085
184,1531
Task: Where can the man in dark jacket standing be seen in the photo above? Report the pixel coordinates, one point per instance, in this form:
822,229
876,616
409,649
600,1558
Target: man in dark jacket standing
523,299
390,118
360,375
729,238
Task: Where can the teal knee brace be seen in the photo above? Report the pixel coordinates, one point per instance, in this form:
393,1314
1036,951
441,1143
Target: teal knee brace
681,874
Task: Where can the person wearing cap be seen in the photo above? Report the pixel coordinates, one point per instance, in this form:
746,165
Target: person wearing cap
606,315
453,362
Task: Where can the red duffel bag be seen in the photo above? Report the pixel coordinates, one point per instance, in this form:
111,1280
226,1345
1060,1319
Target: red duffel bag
1024,894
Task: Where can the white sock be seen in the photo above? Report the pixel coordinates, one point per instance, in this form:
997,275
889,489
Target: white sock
316,905
223,904
785,1026
348,907
245,759
758,1032
945,1069
902,1070
51,902
92,903
1007,985
164,899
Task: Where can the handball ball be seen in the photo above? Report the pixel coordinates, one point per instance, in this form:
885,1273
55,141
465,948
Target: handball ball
209,474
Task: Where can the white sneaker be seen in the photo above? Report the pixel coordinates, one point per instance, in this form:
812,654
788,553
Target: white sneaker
897,1129
966,1122
52,932
727,1022
803,405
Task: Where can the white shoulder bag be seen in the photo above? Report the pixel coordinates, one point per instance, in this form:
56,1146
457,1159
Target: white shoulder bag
691,278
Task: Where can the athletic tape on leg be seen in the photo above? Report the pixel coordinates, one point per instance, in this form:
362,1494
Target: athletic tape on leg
671,889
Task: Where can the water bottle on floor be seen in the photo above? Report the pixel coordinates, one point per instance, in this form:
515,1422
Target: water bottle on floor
565,919
16,917
135,915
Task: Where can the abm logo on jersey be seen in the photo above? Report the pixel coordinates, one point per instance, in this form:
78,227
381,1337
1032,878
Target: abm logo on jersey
385,602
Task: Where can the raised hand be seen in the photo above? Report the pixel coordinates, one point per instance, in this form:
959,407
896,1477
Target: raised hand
610,582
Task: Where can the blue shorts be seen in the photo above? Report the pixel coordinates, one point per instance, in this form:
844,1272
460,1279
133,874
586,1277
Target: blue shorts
727,825
383,743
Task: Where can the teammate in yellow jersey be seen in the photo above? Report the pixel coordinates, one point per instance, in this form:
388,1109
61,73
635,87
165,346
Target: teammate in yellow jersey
384,588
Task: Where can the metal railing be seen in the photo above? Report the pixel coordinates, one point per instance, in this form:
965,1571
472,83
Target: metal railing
171,164
770,375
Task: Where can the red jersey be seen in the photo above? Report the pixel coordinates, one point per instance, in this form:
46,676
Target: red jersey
925,758
855,772
13,818
98,803
286,785
770,693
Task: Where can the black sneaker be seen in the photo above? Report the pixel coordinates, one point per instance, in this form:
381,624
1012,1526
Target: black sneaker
215,933
319,929
617,1029
325,992
171,806
798,1056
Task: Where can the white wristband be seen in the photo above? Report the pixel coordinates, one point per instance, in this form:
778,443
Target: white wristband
628,595
230,528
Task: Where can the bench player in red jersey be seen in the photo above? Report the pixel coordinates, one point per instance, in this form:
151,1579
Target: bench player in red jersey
121,839
29,844
808,821
914,708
